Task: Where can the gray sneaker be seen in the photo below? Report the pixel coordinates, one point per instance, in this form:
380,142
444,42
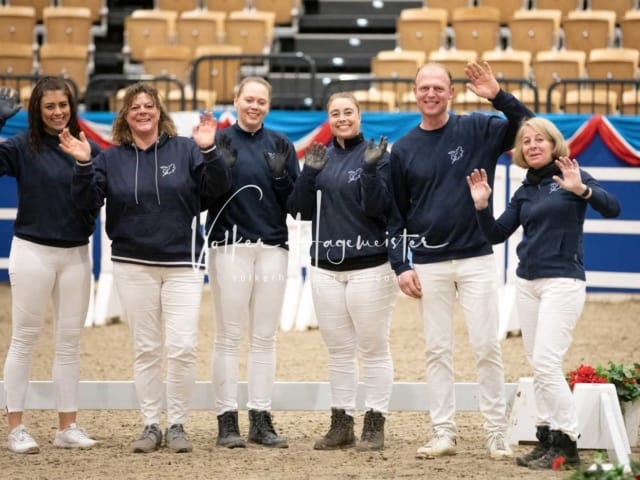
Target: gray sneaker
177,439
149,441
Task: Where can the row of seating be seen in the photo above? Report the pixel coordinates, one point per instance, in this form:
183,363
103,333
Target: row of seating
252,30
479,28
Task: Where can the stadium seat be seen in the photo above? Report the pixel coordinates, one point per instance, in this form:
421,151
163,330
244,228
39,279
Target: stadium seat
217,75
454,60
630,104
199,27
509,64
397,64
588,29
68,25
448,5
618,6
287,11
507,7
614,64
67,60
250,29
421,29
535,30
226,6
565,6
630,29
594,101
553,65
177,6
467,101
144,27
17,59
375,100
37,5
476,28
17,25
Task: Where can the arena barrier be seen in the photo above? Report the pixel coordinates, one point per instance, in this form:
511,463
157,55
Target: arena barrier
600,418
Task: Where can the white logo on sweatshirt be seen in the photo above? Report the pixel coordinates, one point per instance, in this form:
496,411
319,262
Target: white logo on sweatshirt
354,175
456,154
167,169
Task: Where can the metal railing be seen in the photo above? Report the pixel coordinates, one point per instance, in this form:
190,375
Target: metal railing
595,96
102,90
396,93
292,77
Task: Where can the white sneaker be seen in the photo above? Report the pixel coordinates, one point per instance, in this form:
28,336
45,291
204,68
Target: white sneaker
441,444
21,442
73,437
498,447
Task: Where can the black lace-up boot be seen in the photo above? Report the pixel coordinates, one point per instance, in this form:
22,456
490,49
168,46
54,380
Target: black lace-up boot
229,431
561,446
544,443
372,432
261,430
340,434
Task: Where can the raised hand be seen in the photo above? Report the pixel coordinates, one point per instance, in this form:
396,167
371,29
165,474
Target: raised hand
229,154
374,153
204,132
482,81
479,187
277,160
571,179
78,148
316,156
9,103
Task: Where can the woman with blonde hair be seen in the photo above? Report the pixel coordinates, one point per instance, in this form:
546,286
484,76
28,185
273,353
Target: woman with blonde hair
550,205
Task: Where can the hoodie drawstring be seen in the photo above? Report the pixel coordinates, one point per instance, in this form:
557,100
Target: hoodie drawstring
135,187
156,159
137,168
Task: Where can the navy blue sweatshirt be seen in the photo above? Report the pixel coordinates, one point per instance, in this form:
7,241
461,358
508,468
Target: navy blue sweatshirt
46,212
433,213
348,232
254,209
154,198
552,220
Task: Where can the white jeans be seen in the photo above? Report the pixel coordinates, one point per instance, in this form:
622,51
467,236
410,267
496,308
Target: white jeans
354,311
247,282
475,282
39,273
548,310
153,296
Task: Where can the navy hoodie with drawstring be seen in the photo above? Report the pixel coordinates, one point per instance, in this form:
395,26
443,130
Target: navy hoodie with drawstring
154,198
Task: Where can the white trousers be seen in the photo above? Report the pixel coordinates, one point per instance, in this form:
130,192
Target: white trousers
475,282
354,310
39,273
548,310
153,298
247,282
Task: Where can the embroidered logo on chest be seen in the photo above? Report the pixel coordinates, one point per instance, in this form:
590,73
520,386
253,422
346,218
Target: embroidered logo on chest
354,175
554,187
167,169
456,154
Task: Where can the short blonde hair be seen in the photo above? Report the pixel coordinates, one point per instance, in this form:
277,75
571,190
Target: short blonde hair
548,130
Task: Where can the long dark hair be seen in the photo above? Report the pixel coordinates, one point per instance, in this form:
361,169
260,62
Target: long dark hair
36,125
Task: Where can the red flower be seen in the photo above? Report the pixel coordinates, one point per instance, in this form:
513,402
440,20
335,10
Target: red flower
584,374
558,462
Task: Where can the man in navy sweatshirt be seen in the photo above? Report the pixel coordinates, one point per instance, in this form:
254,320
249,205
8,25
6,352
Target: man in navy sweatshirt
437,249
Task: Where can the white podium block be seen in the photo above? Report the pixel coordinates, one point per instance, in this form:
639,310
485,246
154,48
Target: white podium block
522,419
600,418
